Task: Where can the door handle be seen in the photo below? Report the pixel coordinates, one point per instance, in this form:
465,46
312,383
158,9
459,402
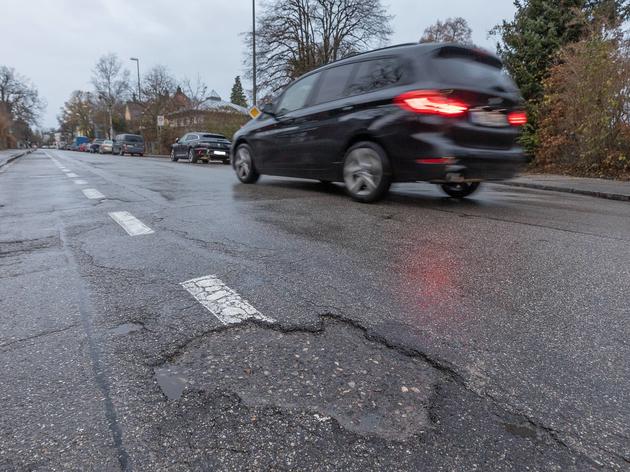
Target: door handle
347,108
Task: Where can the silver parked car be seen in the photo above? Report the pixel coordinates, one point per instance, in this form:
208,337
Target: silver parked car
106,147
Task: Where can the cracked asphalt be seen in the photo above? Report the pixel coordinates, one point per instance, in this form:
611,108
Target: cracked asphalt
419,333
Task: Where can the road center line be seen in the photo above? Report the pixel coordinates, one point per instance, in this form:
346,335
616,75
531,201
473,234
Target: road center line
132,225
223,302
93,194
80,182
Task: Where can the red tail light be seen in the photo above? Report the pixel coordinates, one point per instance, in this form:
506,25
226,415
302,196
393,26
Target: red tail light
431,102
517,118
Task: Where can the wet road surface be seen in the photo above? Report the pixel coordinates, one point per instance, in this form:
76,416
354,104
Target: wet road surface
162,316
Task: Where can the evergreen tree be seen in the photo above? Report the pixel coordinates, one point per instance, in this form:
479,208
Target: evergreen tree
238,95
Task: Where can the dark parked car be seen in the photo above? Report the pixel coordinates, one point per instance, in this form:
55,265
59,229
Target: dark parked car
201,146
128,144
440,113
95,146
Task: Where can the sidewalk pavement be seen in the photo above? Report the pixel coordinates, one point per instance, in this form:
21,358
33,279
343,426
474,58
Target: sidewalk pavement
600,188
10,155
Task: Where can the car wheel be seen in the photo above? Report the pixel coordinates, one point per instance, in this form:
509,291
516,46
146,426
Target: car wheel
460,190
173,156
226,162
366,172
141,154
244,165
192,156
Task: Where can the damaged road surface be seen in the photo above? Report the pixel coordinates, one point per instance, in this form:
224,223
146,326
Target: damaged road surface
218,326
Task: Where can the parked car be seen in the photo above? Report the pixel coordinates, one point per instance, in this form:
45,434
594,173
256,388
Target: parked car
95,145
128,144
201,146
84,147
440,113
73,147
106,147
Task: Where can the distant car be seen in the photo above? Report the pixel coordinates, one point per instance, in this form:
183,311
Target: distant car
106,147
95,145
73,147
128,144
84,147
201,146
439,113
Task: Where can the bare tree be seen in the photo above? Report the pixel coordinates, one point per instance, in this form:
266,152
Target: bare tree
111,83
451,30
295,36
78,114
197,91
19,99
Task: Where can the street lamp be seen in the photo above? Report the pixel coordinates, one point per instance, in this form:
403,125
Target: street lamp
137,61
254,49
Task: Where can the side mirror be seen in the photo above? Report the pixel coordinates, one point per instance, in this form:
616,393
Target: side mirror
176,140
267,109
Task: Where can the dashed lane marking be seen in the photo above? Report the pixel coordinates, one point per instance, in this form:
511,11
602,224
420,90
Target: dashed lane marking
132,225
93,194
223,302
72,175
80,182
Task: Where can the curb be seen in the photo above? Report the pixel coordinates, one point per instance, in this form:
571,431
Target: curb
590,193
14,157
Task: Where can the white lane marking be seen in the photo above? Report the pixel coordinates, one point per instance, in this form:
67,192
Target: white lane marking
222,301
93,194
72,175
132,225
80,182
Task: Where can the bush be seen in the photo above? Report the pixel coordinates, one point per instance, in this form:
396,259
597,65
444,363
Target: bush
584,116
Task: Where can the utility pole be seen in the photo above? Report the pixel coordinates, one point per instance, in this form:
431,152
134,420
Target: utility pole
137,61
254,48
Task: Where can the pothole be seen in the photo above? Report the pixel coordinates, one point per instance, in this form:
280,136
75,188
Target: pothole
126,328
367,387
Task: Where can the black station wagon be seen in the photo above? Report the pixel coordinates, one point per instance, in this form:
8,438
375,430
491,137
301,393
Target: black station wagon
441,113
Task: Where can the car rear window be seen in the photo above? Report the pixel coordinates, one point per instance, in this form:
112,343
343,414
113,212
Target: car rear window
213,136
134,139
375,75
471,71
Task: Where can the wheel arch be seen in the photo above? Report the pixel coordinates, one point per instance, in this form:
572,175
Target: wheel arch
360,136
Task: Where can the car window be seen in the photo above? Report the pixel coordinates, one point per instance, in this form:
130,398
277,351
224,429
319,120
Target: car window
296,95
375,75
133,139
192,137
333,83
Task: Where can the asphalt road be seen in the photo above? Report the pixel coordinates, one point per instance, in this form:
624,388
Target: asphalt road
281,326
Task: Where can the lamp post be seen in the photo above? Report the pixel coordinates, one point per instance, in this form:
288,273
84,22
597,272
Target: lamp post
254,49
137,61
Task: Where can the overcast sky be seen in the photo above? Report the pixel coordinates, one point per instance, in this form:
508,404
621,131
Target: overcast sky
56,42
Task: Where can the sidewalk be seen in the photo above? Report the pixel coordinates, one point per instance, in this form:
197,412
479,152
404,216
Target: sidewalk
600,188
10,155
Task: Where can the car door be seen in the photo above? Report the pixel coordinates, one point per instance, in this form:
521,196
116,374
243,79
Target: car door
180,146
283,147
357,99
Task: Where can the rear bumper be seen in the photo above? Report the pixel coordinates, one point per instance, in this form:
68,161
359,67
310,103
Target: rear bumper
460,163
220,154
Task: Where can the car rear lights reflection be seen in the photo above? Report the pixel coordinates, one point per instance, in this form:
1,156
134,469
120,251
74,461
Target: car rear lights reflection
517,118
437,160
431,102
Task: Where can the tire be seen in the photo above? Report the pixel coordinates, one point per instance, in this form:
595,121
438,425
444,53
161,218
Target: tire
460,190
244,165
192,156
367,172
226,162
141,154
174,158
